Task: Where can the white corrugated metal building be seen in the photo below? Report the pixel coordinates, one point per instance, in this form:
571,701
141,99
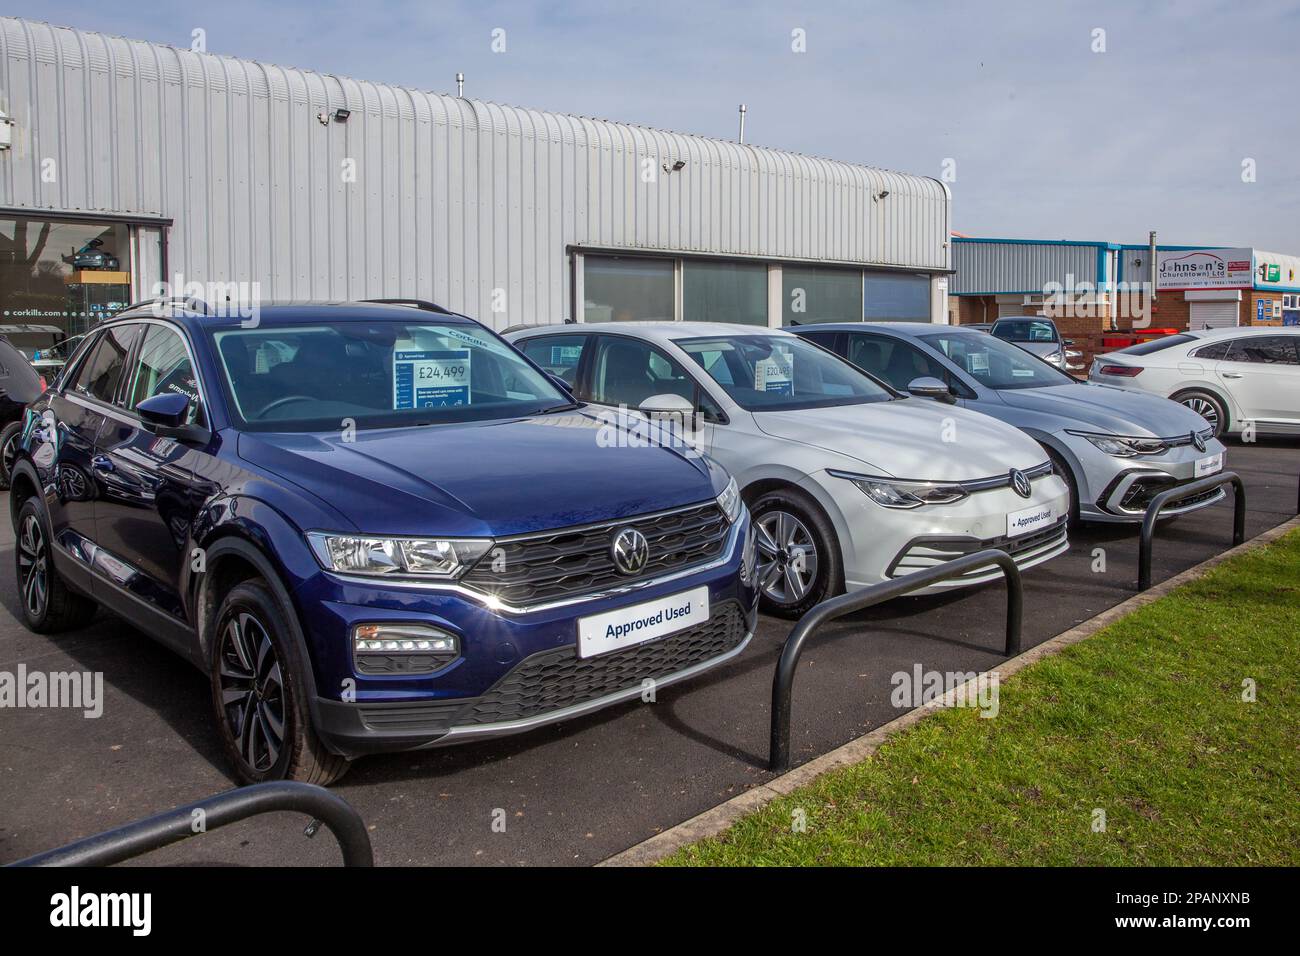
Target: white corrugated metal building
127,162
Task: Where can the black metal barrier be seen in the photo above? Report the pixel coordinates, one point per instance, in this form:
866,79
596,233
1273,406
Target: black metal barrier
783,679
1184,491
172,826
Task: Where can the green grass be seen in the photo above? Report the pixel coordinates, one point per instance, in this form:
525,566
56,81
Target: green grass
1144,720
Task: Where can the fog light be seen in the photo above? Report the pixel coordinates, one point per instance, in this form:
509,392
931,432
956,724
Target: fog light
401,648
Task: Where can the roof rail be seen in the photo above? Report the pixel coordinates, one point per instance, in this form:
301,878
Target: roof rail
422,304
191,302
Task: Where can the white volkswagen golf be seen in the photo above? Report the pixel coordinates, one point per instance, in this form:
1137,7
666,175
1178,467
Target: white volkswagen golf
1231,377
848,481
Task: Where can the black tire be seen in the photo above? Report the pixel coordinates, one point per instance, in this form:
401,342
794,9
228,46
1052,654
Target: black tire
779,592
8,450
259,693
1061,468
48,604
1209,406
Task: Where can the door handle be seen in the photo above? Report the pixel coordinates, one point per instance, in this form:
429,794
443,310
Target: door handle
102,463
1232,375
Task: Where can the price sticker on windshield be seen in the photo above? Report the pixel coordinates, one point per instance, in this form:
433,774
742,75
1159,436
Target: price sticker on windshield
431,378
775,373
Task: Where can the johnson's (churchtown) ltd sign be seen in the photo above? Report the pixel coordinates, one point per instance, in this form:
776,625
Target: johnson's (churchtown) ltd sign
1204,269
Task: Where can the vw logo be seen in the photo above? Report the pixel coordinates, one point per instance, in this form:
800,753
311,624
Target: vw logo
630,551
1020,483
1198,441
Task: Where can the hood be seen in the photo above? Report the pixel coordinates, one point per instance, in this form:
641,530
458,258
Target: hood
906,439
1041,348
479,479
1108,410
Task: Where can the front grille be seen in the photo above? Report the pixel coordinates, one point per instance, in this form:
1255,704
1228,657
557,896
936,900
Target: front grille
556,679
574,561
925,553
1140,493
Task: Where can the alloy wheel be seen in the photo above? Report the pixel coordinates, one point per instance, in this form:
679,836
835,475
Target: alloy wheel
9,452
1205,409
252,691
33,567
787,557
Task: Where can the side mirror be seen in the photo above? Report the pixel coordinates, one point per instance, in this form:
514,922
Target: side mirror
166,415
168,409
927,387
564,386
1069,341
667,404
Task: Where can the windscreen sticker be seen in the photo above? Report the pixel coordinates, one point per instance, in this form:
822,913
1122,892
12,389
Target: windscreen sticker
431,378
565,356
979,361
775,373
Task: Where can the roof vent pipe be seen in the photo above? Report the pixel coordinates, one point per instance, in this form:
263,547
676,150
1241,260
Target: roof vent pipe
742,122
460,84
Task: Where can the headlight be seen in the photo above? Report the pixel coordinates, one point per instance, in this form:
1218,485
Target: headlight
397,557
729,501
1056,358
1121,447
892,493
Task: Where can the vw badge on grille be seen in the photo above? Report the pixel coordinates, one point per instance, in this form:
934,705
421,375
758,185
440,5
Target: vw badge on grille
1198,441
630,551
1020,483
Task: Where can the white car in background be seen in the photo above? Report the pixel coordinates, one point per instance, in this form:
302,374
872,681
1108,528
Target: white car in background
1230,377
849,481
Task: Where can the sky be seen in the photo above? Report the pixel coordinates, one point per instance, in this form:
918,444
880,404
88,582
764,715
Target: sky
1053,120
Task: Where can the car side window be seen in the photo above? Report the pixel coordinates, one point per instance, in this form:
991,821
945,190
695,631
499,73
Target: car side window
101,372
162,367
1264,350
896,362
559,355
1219,350
627,371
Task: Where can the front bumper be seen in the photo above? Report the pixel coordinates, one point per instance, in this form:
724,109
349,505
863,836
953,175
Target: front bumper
880,544
518,669
1118,490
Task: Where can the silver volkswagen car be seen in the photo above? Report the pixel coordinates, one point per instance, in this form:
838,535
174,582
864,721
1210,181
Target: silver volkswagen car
1116,448
849,482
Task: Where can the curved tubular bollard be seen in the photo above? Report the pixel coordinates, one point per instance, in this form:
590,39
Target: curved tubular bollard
1182,491
783,679
172,826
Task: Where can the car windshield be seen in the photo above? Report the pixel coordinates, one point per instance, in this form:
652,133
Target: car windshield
764,373
376,374
994,363
1026,331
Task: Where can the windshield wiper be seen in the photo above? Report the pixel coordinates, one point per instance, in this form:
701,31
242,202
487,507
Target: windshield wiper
560,408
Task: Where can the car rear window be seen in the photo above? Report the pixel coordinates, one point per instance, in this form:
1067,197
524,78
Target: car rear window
1156,345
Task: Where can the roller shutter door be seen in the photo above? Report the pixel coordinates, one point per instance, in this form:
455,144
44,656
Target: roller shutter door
1213,315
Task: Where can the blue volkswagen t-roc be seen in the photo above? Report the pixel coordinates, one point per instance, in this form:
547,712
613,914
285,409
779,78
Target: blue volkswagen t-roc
375,526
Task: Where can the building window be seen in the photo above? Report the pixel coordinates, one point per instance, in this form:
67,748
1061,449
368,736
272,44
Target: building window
896,298
724,292
811,294
67,275
628,288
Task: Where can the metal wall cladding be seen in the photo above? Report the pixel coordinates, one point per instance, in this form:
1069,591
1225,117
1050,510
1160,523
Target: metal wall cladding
451,199
990,267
